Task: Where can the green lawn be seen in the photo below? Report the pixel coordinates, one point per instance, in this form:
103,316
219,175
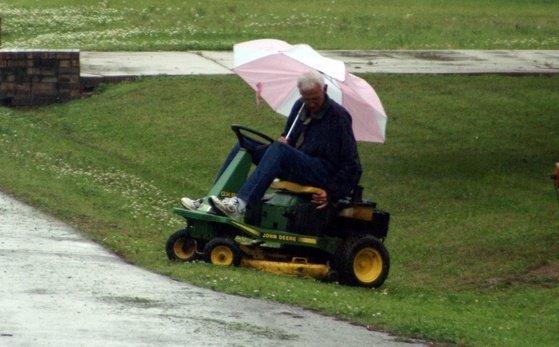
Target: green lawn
324,24
464,173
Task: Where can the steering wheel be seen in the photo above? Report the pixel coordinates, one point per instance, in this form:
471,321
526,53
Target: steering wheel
250,139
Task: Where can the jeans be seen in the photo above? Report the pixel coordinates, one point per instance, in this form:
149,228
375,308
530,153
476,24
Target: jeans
255,155
285,162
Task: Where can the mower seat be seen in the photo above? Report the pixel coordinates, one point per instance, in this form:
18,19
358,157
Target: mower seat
294,187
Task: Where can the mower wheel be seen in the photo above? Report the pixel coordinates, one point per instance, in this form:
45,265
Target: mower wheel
181,247
363,262
223,251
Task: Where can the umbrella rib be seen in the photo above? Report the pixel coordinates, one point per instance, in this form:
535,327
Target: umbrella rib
294,121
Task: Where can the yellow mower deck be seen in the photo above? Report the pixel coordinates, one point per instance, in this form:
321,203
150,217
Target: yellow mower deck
297,267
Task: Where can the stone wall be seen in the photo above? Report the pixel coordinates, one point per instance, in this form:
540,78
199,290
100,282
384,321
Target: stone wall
38,77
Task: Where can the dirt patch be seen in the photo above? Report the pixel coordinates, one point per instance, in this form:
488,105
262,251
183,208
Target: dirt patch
550,271
546,275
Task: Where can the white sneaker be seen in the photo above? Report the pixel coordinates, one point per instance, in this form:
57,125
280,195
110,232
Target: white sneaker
190,204
229,207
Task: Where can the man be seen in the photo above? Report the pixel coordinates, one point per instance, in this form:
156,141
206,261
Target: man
320,151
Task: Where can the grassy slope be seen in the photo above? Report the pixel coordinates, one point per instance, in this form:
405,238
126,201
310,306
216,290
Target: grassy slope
464,173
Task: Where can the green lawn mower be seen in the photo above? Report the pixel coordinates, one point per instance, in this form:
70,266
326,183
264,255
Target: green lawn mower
286,233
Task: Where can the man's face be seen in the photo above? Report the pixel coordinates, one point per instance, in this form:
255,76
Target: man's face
314,98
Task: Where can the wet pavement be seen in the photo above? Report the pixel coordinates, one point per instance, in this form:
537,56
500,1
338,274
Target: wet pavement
59,289
123,64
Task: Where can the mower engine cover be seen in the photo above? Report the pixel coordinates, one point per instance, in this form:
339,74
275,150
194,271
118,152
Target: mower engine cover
292,213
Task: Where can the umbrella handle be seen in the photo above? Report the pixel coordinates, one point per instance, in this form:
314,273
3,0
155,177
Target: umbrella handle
294,122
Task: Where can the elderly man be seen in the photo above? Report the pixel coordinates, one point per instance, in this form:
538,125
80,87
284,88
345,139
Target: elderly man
320,151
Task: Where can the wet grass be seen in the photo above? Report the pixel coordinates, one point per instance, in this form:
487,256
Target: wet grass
341,24
464,173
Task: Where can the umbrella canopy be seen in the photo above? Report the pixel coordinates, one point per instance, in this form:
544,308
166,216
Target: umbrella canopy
272,67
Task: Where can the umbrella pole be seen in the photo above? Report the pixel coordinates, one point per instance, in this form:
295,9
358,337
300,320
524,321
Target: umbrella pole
295,121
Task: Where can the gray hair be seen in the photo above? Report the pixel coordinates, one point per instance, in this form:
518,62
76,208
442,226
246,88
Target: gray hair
310,80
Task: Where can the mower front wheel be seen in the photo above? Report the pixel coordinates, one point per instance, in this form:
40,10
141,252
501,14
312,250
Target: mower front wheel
363,262
181,247
223,251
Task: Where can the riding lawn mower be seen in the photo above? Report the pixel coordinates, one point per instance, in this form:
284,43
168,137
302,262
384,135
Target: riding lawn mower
286,233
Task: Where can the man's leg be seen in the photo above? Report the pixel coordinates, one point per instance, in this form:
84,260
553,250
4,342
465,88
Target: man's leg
283,161
255,155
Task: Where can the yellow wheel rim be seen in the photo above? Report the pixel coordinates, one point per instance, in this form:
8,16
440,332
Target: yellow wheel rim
367,265
222,255
184,250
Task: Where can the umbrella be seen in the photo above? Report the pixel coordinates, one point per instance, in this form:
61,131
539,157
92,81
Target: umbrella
272,67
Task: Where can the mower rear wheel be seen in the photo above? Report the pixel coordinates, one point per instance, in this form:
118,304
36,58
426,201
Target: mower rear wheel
223,251
181,247
363,262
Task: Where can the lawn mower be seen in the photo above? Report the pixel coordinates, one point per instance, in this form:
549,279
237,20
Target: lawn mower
286,233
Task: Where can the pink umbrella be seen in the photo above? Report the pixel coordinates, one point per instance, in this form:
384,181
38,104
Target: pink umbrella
271,68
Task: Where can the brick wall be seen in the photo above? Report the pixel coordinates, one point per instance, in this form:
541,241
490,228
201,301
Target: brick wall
38,77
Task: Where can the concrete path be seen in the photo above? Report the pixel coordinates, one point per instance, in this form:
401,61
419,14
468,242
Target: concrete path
58,289
123,64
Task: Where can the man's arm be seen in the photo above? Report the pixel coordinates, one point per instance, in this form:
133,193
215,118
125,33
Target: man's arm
349,172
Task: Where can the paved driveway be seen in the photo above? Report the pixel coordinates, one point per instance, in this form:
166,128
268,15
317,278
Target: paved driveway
59,289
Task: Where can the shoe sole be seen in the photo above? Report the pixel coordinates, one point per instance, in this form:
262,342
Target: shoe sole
216,209
190,208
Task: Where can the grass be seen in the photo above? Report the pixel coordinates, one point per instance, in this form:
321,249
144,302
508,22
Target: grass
464,173
325,24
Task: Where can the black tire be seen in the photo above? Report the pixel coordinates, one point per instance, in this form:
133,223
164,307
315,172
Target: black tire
332,276
363,261
181,247
223,251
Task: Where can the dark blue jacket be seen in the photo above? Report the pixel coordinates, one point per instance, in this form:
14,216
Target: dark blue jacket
331,140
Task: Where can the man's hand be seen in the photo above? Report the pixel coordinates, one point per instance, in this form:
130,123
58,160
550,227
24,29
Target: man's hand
320,198
282,139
